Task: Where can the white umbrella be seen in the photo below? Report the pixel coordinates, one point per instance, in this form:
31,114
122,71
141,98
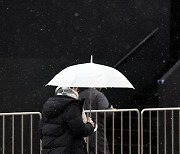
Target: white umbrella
90,75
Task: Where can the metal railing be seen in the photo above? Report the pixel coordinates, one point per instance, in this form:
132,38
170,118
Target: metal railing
161,117
8,122
155,130
116,113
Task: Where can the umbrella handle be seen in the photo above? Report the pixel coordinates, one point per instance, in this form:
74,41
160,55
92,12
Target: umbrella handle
90,100
90,113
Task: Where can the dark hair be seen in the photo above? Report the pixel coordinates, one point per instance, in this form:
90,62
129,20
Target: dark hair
99,89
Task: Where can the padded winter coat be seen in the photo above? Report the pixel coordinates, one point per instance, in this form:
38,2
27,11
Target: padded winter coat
62,128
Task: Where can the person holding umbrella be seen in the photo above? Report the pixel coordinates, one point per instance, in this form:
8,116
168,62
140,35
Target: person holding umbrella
61,127
86,75
96,100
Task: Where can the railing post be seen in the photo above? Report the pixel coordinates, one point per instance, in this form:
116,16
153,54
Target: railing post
172,130
150,145
142,132
157,132
121,132
12,134
31,136
113,133
3,136
165,131
130,132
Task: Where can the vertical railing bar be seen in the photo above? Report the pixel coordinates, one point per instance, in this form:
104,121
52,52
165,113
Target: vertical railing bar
142,133
157,132
40,148
113,133
12,134
31,123
104,132
22,133
129,132
121,132
179,131
87,139
165,131
3,136
150,144
139,132
96,134
172,130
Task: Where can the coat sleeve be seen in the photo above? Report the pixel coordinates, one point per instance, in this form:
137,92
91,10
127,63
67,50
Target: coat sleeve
75,123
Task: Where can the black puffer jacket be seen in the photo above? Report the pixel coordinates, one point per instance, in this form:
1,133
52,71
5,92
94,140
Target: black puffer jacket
61,127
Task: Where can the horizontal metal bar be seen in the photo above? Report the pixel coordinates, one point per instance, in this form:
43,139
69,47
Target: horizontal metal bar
20,113
113,110
160,109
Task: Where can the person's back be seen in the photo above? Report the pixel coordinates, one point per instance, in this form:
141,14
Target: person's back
96,100
62,128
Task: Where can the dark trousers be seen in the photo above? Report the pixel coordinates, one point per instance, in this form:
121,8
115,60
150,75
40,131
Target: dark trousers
100,143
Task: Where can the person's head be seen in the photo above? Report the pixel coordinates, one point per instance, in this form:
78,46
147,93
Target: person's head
67,91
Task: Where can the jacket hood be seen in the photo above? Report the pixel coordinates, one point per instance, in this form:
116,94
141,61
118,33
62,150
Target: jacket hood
55,105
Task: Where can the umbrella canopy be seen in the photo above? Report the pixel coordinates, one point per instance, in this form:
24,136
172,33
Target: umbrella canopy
90,75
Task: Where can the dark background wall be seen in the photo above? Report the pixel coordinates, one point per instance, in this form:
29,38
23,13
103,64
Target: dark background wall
40,38
169,87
